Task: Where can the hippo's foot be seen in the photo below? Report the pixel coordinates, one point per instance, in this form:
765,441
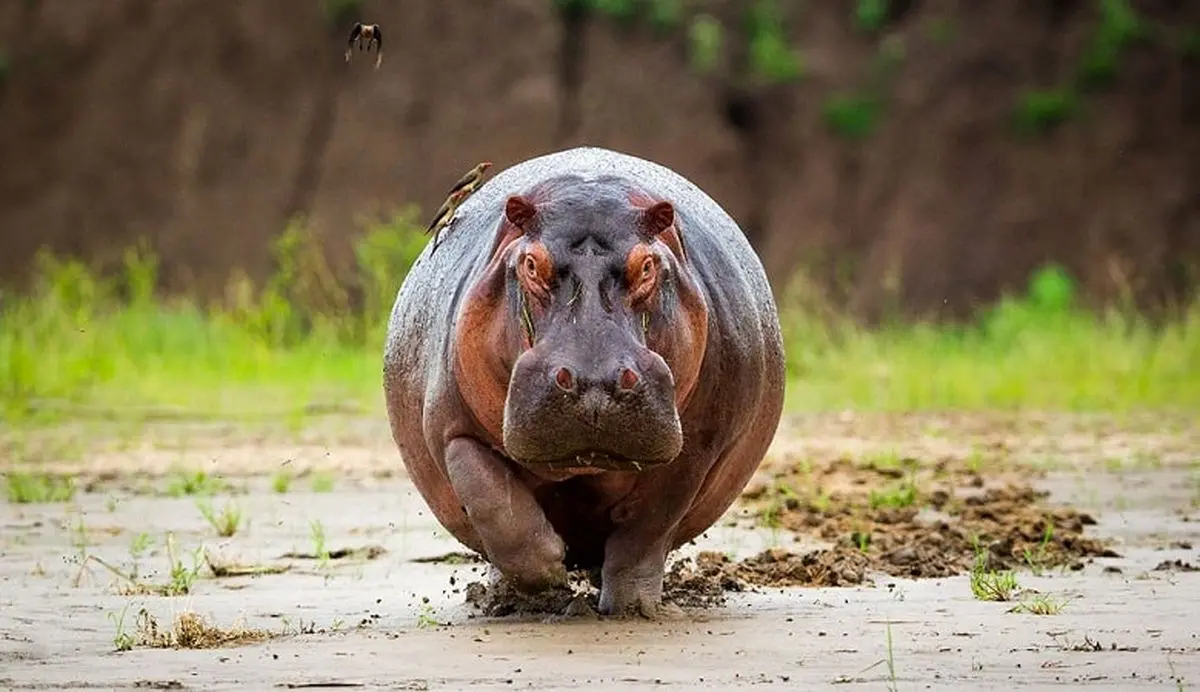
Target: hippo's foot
632,585
648,610
516,536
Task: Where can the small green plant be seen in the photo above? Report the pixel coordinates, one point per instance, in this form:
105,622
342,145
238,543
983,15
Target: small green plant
861,540
138,547
1039,604
903,494
281,482
425,618
772,58
195,483
322,482
226,522
26,488
870,15
851,116
1118,28
991,585
782,498
320,549
182,577
665,14
1040,111
1036,558
891,660
974,462
122,640
705,35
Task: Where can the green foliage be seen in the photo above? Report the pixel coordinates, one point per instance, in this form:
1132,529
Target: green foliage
852,116
1040,351
771,56
81,345
22,488
665,14
869,15
1041,111
622,10
80,340
705,34
1119,27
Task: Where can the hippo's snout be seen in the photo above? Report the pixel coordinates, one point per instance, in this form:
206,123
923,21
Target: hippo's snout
572,408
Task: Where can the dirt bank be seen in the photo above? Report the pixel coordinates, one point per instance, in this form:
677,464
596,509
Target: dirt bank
206,141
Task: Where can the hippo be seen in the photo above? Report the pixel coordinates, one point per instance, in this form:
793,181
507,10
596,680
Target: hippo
586,374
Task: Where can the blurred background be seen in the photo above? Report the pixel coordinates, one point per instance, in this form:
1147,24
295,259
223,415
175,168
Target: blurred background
926,155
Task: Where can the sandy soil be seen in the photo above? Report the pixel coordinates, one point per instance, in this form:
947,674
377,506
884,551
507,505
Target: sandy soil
799,586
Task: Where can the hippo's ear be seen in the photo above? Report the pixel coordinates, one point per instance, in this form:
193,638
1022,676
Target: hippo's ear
520,212
657,218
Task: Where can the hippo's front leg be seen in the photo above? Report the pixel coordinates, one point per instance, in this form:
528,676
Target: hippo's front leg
515,533
635,554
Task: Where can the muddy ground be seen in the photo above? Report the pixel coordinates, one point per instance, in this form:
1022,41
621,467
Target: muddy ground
859,531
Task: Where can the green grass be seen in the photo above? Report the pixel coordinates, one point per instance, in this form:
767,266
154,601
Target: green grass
79,346
1038,351
29,488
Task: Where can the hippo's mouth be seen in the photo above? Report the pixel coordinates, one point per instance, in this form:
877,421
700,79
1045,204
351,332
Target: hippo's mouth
605,461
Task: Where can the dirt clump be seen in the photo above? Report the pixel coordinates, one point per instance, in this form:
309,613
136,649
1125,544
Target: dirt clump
1176,566
909,519
499,598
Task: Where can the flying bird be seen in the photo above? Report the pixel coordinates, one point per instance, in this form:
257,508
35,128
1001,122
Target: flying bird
461,190
366,32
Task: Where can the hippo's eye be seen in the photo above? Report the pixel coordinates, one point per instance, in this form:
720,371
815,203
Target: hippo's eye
648,268
531,268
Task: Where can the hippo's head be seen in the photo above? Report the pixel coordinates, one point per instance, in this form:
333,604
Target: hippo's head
583,338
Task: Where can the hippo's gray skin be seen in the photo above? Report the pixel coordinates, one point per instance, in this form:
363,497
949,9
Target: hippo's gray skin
586,372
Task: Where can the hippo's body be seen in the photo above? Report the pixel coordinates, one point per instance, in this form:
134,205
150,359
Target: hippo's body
586,372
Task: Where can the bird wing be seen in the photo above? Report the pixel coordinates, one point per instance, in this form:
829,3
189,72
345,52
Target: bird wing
378,36
464,181
355,32
441,214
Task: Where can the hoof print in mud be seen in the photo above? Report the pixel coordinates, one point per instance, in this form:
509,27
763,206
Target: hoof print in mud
586,373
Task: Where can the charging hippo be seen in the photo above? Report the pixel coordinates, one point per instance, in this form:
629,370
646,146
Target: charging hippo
586,373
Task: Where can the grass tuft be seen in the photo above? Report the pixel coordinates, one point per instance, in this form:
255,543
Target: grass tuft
28,488
991,585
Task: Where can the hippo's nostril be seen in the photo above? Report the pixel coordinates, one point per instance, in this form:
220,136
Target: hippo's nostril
564,379
629,379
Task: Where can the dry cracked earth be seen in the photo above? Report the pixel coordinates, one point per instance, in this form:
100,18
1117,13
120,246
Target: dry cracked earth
875,552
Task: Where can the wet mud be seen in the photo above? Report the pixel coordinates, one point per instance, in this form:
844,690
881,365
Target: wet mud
848,568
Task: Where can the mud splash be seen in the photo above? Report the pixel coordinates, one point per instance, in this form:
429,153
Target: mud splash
891,515
908,519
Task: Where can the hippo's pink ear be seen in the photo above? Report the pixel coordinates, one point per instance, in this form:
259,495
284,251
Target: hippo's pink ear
520,212
658,218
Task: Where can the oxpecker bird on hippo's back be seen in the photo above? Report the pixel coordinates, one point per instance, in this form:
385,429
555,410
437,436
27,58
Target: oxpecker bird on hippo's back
587,372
